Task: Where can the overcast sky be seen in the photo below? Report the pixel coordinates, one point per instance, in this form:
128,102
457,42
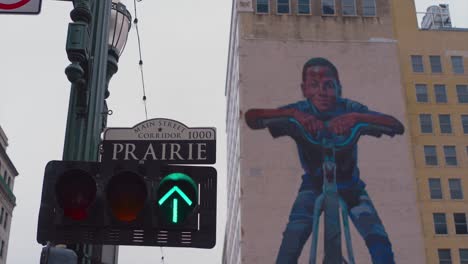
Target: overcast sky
185,55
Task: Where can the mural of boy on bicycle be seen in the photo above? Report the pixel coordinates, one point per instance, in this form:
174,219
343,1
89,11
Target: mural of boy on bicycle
325,110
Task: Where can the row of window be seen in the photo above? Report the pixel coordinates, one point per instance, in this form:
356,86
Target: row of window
440,93
450,155
2,246
328,7
455,188
3,218
436,64
445,123
445,256
6,177
440,223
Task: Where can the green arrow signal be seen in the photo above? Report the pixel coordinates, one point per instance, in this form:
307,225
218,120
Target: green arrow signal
174,210
179,191
175,201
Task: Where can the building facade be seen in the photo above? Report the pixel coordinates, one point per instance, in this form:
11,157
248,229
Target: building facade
435,79
271,40
8,174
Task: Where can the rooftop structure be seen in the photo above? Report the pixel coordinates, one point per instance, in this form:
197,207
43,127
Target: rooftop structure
437,17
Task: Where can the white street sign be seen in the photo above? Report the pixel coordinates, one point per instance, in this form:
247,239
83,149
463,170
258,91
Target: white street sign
20,6
160,139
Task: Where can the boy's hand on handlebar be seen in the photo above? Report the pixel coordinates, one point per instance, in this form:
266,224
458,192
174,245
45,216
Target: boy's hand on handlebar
342,124
310,122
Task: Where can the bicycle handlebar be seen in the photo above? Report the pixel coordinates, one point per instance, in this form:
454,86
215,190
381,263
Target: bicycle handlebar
324,137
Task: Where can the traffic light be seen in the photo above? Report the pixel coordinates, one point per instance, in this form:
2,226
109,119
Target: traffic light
175,187
128,203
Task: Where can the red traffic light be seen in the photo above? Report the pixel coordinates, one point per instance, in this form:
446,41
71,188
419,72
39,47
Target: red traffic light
126,194
75,190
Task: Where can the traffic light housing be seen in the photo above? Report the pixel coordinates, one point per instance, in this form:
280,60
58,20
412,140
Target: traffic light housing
128,203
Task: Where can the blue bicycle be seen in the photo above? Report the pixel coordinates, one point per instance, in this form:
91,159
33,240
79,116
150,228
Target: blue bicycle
329,202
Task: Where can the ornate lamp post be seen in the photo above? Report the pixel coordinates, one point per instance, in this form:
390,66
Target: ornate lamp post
79,35
120,22
99,31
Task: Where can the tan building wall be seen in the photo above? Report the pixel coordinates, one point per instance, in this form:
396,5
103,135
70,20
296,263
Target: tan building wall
445,44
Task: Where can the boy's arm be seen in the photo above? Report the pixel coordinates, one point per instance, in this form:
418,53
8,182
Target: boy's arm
381,119
311,123
254,116
342,124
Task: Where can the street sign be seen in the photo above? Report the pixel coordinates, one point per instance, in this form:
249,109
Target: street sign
165,140
32,7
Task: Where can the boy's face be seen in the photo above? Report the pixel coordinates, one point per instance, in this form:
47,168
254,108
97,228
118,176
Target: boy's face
319,87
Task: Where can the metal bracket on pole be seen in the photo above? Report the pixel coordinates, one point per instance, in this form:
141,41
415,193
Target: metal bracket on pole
57,255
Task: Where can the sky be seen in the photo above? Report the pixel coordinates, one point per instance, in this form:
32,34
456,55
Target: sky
184,45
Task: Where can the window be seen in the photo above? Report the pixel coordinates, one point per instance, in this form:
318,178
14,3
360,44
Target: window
421,93
460,223
462,93
440,93
440,223
9,182
262,6
425,122
1,248
450,155
435,188
368,8
6,220
430,155
436,65
303,7
282,6
457,64
463,255
328,7
464,119
417,63
455,189
1,215
444,256
445,124
348,7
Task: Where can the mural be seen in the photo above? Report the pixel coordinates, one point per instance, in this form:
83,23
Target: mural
326,129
